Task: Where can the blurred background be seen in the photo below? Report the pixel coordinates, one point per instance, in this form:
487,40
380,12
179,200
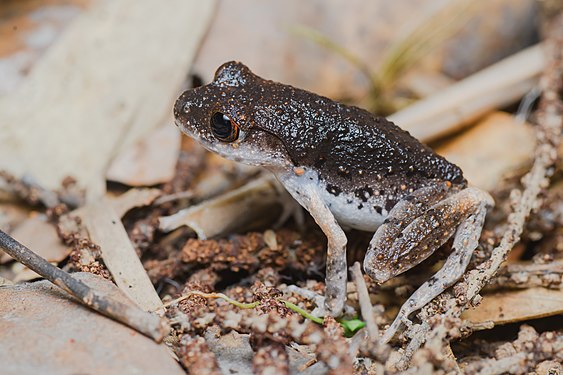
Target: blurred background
83,80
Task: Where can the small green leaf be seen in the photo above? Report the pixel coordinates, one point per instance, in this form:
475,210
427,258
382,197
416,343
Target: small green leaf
352,326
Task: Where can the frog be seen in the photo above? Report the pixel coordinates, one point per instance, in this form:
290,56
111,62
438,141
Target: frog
350,169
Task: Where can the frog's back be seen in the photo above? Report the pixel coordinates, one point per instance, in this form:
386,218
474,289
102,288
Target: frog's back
348,145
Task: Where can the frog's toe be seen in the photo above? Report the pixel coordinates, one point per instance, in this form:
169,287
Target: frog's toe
379,275
394,328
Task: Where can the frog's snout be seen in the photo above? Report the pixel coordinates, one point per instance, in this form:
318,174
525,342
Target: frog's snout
180,106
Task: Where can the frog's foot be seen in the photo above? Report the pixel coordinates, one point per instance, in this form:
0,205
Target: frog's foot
466,210
400,319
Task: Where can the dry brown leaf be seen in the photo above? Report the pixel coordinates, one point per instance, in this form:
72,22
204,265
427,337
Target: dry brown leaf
494,147
150,161
60,336
37,234
511,306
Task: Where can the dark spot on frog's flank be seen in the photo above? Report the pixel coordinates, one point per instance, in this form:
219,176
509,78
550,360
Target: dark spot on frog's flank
386,221
360,206
364,193
348,201
378,209
389,205
334,190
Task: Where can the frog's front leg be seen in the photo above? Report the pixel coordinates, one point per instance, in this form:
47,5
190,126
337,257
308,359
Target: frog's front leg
305,191
415,239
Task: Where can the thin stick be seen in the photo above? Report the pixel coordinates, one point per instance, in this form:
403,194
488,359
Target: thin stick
146,323
365,303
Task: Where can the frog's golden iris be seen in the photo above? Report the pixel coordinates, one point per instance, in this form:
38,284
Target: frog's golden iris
223,128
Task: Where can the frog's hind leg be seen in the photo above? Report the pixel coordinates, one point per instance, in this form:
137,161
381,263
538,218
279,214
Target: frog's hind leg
414,228
464,210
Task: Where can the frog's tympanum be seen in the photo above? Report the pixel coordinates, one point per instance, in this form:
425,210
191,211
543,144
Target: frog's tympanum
349,169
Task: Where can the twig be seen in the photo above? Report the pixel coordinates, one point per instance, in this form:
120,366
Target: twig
524,276
148,324
186,194
365,303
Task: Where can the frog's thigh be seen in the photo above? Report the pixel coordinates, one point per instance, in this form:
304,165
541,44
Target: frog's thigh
465,241
336,270
415,227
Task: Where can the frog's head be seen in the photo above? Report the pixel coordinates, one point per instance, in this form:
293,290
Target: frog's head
221,117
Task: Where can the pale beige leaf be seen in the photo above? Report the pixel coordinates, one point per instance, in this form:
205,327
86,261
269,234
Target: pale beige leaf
45,331
496,146
463,102
111,77
107,231
150,161
133,198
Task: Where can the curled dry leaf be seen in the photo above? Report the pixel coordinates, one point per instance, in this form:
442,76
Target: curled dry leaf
239,209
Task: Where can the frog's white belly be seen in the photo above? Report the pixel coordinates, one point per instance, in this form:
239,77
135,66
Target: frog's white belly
355,213
349,210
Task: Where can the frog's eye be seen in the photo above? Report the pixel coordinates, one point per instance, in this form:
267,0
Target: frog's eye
223,128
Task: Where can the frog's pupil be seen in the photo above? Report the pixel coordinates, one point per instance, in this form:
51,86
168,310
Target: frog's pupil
221,126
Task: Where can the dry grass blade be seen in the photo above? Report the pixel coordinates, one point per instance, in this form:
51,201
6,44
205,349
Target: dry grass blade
401,55
365,303
433,31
